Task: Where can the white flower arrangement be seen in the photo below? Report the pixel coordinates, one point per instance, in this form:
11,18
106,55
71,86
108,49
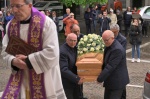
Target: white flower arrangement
90,43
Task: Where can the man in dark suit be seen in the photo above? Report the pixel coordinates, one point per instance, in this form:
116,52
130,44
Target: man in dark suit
122,40
114,70
76,29
70,79
118,36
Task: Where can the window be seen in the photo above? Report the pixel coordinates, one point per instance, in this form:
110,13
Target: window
40,4
54,4
147,11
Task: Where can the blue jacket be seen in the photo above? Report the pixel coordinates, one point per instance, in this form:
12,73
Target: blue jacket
68,68
114,70
8,18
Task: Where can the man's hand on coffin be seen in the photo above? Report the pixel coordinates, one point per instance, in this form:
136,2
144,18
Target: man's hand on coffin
81,81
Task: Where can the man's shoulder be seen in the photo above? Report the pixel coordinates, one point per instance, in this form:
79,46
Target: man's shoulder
120,36
116,45
64,48
81,35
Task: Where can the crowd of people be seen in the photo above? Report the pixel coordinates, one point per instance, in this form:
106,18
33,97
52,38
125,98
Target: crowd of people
51,72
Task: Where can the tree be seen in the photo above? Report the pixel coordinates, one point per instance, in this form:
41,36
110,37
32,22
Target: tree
83,3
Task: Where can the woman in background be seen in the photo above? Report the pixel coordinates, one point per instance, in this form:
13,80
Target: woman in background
8,17
135,39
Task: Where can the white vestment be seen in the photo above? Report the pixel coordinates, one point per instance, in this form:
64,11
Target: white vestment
45,61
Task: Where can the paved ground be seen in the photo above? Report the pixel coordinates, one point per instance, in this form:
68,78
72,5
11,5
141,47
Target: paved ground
93,90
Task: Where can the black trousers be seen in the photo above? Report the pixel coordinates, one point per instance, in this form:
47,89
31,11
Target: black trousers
81,91
88,28
72,93
113,94
123,94
127,27
144,31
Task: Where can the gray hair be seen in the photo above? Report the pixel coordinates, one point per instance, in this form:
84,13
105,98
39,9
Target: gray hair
114,26
28,1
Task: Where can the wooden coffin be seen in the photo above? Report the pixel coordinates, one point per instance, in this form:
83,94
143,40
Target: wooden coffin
89,66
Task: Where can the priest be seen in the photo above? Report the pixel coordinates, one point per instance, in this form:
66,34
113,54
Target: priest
37,75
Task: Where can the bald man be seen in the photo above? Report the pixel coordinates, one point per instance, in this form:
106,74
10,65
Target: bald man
76,29
114,70
68,56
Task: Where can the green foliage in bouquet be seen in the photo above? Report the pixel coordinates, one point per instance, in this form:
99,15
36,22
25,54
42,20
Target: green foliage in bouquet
90,43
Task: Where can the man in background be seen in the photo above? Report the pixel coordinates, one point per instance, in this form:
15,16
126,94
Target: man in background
122,40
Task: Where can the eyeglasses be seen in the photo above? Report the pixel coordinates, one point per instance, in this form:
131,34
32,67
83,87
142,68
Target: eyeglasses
107,40
76,31
73,40
18,6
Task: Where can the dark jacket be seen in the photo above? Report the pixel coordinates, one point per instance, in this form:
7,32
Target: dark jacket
104,24
114,70
68,68
122,40
80,36
127,18
87,16
145,23
93,14
56,21
119,19
135,35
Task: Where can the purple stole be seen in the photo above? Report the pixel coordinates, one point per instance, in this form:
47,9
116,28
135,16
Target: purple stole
36,81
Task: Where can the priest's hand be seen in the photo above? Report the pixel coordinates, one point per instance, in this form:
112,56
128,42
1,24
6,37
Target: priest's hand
21,56
81,81
19,63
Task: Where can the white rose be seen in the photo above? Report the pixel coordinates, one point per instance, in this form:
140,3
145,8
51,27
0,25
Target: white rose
90,40
85,36
97,49
89,35
98,46
96,37
88,45
103,45
81,52
91,49
84,49
85,39
82,42
81,39
93,44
